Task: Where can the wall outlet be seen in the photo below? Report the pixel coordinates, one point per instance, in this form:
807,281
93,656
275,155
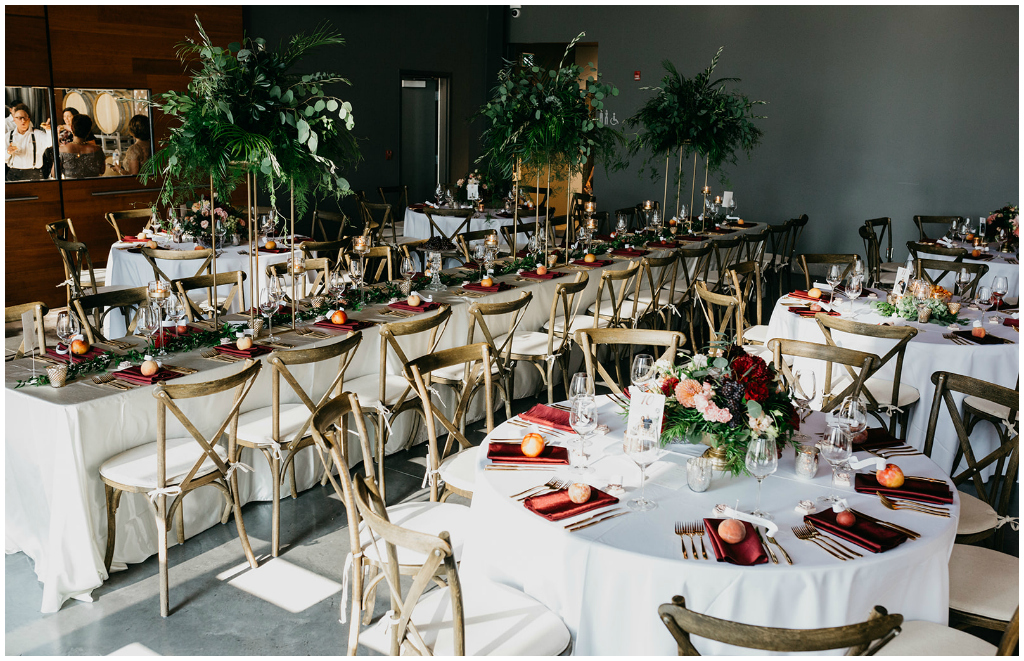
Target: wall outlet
388,154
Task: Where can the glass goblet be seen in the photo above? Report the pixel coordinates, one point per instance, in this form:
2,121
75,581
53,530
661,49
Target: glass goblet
836,448
761,461
999,289
580,386
583,420
641,445
642,370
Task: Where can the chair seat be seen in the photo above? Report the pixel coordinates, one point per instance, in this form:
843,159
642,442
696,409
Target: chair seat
918,638
881,390
367,388
989,407
757,334
983,582
459,470
420,516
137,467
579,322
256,427
608,309
533,343
976,516
891,267
499,621
645,299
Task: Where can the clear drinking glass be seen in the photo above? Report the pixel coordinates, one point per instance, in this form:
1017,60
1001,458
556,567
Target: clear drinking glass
836,448
67,327
641,445
583,420
148,322
580,386
621,224
642,370
835,274
408,268
999,288
963,278
854,286
269,304
802,397
984,298
762,460
336,286
355,272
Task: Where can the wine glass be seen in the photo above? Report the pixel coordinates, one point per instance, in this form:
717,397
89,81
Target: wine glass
580,386
336,286
583,420
642,370
762,460
408,269
835,276
732,207
984,298
801,396
439,194
479,254
115,159
621,224
852,415
148,322
836,448
641,445
999,288
177,311
963,278
854,286
67,327
355,272
268,226
269,304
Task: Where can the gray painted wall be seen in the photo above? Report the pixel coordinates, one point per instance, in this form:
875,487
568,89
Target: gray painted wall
874,111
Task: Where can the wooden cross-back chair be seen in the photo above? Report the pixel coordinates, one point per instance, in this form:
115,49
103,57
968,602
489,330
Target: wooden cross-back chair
331,435
609,314
891,398
199,308
128,301
936,224
928,250
317,267
332,250
926,268
435,229
324,219
996,496
378,265
755,248
378,218
923,638
463,241
694,264
796,230
500,343
776,255
591,340
860,639
630,213
746,285
880,265
456,470
723,314
280,431
130,222
154,254
809,259
399,200
539,195
529,229
781,348
12,314
446,621
656,295
78,269
387,394
173,467
726,253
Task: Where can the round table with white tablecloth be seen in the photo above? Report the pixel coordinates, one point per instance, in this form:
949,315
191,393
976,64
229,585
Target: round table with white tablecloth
607,581
999,264
927,353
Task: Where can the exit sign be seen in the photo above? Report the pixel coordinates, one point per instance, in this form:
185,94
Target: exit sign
636,75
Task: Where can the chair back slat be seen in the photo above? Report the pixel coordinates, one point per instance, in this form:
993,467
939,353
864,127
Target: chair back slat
829,355
435,229
127,300
154,254
723,315
938,225
926,268
591,340
135,220
918,250
377,218
323,219
512,312
628,279
210,283
847,259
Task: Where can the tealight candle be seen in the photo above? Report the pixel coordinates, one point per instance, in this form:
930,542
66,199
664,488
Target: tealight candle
648,205
718,199
590,207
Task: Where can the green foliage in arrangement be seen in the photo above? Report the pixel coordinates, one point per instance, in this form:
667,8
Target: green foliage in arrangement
243,112
698,115
543,117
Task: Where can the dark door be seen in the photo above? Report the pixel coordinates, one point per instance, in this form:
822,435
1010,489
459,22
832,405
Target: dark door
419,147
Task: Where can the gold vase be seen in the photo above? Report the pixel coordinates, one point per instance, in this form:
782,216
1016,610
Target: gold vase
716,453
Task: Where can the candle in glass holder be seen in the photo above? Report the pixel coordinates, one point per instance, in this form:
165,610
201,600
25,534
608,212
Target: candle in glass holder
718,199
159,290
591,224
590,207
359,243
706,190
648,205
298,265
807,461
480,206
492,240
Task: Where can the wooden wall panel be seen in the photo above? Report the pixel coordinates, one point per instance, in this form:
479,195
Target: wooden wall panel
25,45
32,264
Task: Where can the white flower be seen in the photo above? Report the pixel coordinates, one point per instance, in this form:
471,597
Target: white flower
699,361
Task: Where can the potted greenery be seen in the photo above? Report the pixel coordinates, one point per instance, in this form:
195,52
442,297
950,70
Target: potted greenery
694,115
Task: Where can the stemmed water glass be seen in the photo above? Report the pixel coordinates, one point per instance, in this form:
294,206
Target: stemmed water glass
984,299
439,195
999,288
336,286
621,224
963,278
67,327
835,276
408,271
762,460
854,286
479,255
355,272
583,420
641,445
836,447
580,386
852,416
269,304
802,397
642,370
149,323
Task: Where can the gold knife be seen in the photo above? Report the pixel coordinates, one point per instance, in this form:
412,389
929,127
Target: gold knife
594,523
764,545
607,510
906,531
772,540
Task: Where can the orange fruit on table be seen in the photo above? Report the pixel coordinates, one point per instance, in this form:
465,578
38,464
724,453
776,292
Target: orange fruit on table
891,476
244,342
149,368
270,245
151,244
579,493
969,237
975,253
487,282
732,531
542,270
414,300
533,444
79,347
589,257
814,292
339,317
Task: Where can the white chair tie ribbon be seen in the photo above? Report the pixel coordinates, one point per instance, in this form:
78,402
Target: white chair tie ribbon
1013,522
675,310
426,476
889,409
246,468
551,358
349,559
171,491
275,450
69,281
439,398
1011,429
389,620
385,413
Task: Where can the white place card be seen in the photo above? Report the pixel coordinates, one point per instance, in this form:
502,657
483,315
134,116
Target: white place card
646,409
28,329
899,286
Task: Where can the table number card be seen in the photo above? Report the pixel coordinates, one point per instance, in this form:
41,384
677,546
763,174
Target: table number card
646,409
28,329
899,286
472,190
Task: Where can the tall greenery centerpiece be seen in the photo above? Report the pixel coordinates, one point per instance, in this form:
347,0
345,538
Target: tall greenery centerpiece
543,119
694,115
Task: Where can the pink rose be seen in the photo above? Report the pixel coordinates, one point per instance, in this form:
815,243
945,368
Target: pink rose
724,415
204,224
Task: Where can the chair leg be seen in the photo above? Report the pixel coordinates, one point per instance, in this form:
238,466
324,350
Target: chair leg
113,497
291,478
357,595
179,518
161,535
275,509
371,595
551,381
239,523
380,455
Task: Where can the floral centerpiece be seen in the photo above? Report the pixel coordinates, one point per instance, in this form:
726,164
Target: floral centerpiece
1007,218
196,220
935,298
725,401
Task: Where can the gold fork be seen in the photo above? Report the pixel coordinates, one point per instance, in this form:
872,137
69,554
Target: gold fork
801,532
838,545
698,529
106,380
911,505
554,484
681,530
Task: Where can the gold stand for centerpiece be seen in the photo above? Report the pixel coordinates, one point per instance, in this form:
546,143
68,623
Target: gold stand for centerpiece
715,452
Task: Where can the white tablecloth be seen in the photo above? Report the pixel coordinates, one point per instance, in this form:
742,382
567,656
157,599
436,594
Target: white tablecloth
417,226
996,267
927,353
607,581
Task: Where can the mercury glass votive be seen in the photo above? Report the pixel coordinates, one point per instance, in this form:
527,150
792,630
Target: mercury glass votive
698,474
807,461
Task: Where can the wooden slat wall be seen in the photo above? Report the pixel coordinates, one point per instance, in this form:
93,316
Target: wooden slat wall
124,47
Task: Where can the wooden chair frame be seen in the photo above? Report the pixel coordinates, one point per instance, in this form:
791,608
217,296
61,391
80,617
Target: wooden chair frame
332,250
75,256
862,639
463,240
628,279
718,327
778,240
319,266
667,269
535,192
338,217
529,229
210,283
694,264
128,215
829,354
166,396
378,217
103,303
873,246
918,249
946,267
465,214
515,310
591,339
153,254
945,221
379,256
797,227
400,205
826,258
746,284
755,248
12,314
727,253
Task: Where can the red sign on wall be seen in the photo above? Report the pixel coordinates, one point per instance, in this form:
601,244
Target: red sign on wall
636,75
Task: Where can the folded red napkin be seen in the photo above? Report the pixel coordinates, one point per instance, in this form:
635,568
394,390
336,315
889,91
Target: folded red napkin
251,352
691,237
988,339
132,239
807,312
738,224
417,205
912,489
603,237
546,416
275,251
746,553
134,374
547,276
350,325
503,214
802,294
863,533
1010,321
876,438
93,352
594,264
556,506
662,244
422,307
632,252
512,453
496,287
983,257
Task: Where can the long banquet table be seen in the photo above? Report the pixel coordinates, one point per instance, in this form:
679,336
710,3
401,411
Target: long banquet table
58,438
607,581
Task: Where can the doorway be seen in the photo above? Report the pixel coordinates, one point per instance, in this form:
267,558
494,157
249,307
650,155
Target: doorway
423,149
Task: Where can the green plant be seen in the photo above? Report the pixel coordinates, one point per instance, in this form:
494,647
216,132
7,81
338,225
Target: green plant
244,112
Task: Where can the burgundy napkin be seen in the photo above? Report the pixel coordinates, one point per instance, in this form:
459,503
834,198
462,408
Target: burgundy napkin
546,416
747,553
274,251
662,244
738,224
1010,321
133,239
134,374
422,307
496,287
988,339
350,325
802,294
91,353
251,352
876,438
504,214
863,533
512,453
556,506
691,237
632,252
593,264
169,334
547,276
418,205
983,257
807,312
920,490
603,237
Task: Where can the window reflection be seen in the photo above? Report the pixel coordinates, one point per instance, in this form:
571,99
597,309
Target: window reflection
28,138
103,133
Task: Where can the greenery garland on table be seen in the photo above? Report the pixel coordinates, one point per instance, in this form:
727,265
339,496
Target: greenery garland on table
243,111
907,309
